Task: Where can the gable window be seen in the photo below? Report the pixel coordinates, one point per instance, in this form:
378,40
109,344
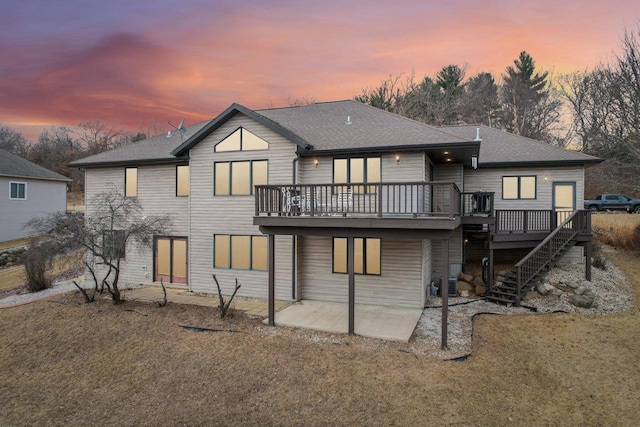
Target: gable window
241,252
18,190
366,255
131,182
239,178
518,187
114,244
182,181
241,140
357,169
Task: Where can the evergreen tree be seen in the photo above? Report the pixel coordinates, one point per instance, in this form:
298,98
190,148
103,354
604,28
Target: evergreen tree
528,109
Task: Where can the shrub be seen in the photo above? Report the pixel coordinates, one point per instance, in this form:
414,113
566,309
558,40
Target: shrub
598,260
37,264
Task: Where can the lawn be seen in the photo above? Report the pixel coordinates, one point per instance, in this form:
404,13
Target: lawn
70,364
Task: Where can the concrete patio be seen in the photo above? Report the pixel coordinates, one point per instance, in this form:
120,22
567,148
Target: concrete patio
370,320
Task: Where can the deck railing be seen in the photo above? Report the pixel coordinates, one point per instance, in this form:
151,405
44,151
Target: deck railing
525,221
406,199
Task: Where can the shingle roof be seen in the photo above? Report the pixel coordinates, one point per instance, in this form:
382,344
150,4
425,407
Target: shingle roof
324,125
15,166
152,150
499,148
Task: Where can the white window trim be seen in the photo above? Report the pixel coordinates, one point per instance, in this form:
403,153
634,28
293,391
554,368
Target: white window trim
25,190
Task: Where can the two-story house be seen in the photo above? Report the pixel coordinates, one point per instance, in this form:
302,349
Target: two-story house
340,201
28,191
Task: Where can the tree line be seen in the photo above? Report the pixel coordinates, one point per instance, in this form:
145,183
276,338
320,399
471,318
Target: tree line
57,146
596,111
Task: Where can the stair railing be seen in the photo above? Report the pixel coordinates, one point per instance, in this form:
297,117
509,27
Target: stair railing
544,255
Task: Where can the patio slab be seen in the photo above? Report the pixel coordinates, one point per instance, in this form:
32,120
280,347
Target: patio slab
370,320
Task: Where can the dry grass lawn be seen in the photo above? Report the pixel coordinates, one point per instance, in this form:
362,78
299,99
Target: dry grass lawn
620,230
68,364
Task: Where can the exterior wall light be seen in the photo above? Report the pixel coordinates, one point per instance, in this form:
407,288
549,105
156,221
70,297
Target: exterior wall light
474,161
398,159
316,162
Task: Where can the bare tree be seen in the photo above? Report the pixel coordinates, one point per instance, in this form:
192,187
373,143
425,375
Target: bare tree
301,102
96,136
387,94
114,225
13,141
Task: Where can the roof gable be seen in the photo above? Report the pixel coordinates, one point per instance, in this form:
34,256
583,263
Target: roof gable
15,166
225,116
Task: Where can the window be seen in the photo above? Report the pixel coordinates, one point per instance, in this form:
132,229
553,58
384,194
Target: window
131,182
182,181
357,169
240,252
241,140
114,244
18,190
518,187
366,255
239,178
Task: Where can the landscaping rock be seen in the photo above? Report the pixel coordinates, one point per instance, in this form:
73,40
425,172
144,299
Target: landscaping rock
464,286
556,293
573,285
465,277
563,287
480,290
478,281
544,288
463,294
581,301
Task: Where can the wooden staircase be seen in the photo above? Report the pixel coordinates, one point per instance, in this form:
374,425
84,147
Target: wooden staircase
531,268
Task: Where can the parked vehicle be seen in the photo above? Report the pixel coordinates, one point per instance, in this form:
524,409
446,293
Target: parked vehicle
617,202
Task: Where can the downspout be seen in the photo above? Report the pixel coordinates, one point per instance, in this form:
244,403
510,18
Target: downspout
189,276
294,238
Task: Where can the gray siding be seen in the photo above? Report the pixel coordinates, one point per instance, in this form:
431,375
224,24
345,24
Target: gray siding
427,269
43,198
455,252
157,196
399,285
449,173
234,214
491,180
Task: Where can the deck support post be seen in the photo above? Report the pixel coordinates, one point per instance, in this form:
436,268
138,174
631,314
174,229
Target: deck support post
444,291
352,284
490,284
272,280
587,266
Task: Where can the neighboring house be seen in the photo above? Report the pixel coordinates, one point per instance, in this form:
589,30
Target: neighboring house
338,201
27,191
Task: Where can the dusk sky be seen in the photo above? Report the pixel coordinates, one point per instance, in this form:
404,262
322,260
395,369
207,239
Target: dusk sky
137,63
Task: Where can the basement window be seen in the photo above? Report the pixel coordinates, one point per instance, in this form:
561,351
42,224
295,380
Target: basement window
366,255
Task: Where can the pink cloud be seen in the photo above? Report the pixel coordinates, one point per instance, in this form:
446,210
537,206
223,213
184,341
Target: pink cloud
196,61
